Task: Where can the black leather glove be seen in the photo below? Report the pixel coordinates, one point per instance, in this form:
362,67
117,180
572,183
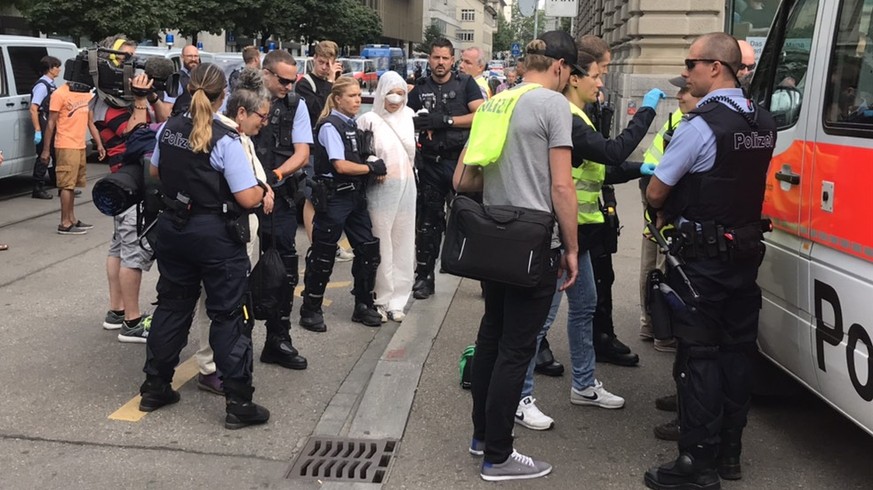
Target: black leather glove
377,167
272,178
432,120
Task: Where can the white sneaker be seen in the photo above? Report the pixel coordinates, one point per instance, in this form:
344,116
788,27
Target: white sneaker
343,255
396,315
382,312
528,415
597,396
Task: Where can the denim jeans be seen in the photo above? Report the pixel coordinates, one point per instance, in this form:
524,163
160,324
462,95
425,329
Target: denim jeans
582,296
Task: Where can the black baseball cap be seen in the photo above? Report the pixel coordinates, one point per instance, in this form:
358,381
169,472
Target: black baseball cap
679,82
560,45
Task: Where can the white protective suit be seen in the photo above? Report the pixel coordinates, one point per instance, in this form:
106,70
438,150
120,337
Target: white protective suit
392,202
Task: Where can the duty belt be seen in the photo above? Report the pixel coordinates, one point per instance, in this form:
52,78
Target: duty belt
702,240
340,187
452,157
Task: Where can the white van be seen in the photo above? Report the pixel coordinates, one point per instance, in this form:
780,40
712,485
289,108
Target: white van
19,71
816,76
175,54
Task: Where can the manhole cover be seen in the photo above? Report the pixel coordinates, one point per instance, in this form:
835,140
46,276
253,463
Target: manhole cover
339,459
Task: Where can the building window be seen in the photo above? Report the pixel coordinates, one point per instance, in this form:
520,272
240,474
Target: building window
468,15
466,36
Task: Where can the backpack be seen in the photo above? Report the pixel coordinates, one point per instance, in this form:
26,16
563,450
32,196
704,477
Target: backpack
465,366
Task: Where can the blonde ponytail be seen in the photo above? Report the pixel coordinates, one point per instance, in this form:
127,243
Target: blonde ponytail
339,88
206,86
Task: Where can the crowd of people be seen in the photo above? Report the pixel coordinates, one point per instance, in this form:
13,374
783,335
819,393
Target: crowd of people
235,159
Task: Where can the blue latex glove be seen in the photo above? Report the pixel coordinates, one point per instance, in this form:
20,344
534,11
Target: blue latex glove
37,137
647,169
653,98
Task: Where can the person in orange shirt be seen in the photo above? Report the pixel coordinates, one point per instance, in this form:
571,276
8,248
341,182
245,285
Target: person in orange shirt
70,115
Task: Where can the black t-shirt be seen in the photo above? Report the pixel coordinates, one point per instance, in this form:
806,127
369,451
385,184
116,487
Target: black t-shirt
315,99
471,94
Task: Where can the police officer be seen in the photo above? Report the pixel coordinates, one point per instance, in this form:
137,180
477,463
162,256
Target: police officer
710,185
343,167
283,148
208,186
445,103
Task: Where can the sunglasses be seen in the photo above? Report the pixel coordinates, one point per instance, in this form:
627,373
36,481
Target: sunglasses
691,63
750,66
283,81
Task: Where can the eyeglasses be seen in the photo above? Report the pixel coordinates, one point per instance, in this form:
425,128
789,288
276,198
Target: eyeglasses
691,63
283,81
264,117
750,66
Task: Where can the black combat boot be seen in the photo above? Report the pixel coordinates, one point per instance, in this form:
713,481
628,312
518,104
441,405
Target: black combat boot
685,473
729,452
668,431
241,410
607,348
545,361
278,349
423,287
312,318
156,393
367,315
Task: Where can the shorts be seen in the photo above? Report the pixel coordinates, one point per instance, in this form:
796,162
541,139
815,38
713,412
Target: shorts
70,169
125,243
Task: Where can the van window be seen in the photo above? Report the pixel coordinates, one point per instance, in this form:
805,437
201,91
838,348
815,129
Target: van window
849,96
25,66
4,87
780,79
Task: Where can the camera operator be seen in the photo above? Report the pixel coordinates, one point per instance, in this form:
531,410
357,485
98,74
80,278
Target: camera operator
114,118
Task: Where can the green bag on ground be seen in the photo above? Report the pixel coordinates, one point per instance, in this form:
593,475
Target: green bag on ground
465,366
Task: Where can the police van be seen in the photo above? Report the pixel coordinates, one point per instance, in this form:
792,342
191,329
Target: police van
816,76
19,71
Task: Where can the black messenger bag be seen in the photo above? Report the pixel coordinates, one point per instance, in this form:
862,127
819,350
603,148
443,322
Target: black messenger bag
506,244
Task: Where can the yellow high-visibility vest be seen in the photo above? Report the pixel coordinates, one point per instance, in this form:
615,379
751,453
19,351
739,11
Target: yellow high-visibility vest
491,125
588,179
486,89
656,149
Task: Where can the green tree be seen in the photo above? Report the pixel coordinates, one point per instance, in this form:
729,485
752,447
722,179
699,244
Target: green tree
266,18
194,16
96,19
346,22
504,37
431,34
523,27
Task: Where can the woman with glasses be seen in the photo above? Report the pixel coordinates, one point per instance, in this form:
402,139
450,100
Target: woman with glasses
209,188
596,160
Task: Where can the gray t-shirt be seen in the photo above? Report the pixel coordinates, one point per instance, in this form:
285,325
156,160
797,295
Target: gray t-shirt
521,176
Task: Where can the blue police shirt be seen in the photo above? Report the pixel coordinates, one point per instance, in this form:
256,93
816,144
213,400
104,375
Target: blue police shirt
330,138
227,157
693,147
40,92
302,132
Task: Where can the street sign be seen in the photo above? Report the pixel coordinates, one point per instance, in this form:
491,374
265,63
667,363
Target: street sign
516,49
527,7
561,8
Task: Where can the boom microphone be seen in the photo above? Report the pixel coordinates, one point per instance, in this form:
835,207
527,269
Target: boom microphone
159,68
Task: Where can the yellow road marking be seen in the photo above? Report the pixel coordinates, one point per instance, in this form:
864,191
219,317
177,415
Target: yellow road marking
130,411
344,244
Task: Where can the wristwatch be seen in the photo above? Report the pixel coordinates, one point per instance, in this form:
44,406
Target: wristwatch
450,121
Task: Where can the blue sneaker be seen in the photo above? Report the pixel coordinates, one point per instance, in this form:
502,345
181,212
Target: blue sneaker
477,447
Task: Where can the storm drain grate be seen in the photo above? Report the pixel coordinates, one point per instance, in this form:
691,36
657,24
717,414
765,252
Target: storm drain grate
340,459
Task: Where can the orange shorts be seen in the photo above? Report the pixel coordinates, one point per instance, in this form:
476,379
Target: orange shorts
70,168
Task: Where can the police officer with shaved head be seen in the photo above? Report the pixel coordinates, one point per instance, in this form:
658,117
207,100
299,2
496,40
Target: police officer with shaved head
710,187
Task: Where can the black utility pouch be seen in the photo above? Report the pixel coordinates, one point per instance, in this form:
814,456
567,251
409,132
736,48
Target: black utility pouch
746,242
657,306
238,228
319,196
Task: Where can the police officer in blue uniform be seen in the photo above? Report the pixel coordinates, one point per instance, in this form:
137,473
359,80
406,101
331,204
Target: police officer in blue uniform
283,149
710,185
445,103
344,166
209,187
